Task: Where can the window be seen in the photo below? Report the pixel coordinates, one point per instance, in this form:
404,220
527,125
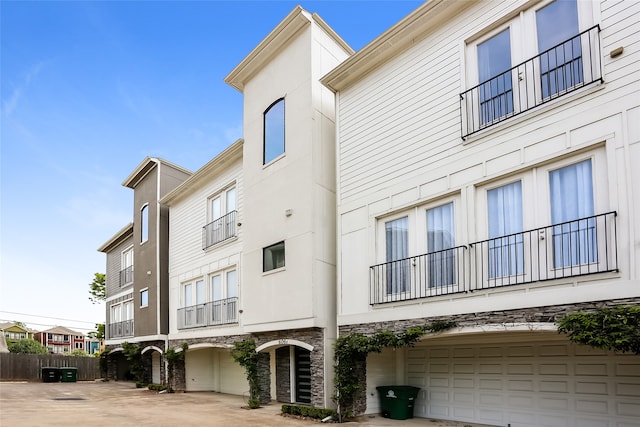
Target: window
273,257
222,218
126,273
116,313
397,251
496,91
144,297
274,131
542,53
79,345
224,292
506,245
561,52
144,224
440,241
571,194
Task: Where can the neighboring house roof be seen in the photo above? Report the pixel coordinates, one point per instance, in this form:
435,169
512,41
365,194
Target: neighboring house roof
12,325
61,330
407,32
231,153
145,167
118,238
275,41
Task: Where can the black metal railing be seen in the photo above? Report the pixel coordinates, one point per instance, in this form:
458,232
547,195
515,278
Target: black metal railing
126,276
219,230
213,313
121,329
436,273
568,66
574,248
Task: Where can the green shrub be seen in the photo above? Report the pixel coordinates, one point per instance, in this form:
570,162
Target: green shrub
308,411
157,387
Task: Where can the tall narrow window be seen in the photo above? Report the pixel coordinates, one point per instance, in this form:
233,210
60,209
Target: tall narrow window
506,247
126,273
273,131
572,209
560,51
222,217
397,251
440,243
144,223
144,298
496,89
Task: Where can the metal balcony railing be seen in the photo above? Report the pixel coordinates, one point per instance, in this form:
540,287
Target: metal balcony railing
121,329
574,248
213,313
219,230
126,276
562,69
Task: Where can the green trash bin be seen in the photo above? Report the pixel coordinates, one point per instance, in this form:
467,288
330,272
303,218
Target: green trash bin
68,375
396,401
50,374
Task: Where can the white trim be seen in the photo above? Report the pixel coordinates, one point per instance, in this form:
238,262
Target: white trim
151,347
207,345
284,342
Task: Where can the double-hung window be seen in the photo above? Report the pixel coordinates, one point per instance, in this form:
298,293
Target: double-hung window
273,131
222,217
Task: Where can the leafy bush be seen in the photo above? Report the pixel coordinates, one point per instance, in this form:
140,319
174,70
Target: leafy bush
157,387
27,346
308,411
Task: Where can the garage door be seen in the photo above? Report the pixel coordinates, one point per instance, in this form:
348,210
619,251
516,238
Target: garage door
525,383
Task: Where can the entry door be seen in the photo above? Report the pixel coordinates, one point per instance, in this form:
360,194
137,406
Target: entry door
303,375
155,368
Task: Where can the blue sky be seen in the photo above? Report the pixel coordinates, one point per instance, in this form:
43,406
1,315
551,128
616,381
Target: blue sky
91,88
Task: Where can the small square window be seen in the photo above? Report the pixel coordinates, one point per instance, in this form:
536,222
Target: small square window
144,298
273,257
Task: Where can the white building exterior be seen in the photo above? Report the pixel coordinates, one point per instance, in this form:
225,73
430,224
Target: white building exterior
497,197
282,252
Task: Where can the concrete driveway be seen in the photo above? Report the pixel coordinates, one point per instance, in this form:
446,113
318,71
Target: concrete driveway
121,404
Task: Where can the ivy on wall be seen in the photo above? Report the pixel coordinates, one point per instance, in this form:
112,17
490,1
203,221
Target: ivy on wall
609,328
245,354
174,358
350,355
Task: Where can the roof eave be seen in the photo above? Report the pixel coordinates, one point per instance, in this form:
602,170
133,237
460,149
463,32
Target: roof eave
117,238
231,153
397,39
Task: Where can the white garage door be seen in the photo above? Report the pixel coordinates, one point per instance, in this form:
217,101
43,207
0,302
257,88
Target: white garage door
525,384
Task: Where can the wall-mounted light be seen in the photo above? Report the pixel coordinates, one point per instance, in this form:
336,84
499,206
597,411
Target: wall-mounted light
288,212
148,272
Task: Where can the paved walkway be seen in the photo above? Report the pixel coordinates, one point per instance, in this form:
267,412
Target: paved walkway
121,404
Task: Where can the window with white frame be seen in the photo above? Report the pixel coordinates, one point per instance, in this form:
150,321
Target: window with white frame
144,297
126,271
273,257
539,54
418,251
221,213
545,223
223,288
144,223
209,301
273,131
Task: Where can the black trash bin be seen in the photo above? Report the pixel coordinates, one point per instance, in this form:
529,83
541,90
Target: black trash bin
50,374
396,401
68,375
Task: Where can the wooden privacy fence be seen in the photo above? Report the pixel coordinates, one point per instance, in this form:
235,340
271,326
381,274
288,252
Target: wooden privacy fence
28,367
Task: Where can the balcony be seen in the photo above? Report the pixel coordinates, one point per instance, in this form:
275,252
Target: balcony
126,276
566,67
569,249
121,329
213,313
219,230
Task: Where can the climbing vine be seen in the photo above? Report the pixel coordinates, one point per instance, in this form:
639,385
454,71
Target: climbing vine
610,328
174,358
245,354
350,354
